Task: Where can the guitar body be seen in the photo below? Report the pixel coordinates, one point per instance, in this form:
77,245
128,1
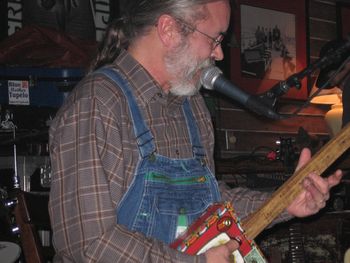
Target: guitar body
215,227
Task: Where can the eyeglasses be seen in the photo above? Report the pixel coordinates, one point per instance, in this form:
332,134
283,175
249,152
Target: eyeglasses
215,41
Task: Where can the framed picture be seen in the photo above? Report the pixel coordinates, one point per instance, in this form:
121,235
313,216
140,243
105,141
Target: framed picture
272,45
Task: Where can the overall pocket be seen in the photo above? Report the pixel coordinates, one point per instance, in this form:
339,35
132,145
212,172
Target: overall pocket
165,198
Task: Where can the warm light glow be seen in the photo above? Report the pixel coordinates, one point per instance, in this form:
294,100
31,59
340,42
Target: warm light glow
327,96
333,117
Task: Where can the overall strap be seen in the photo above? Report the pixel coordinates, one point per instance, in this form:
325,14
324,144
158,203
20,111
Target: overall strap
144,137
197,148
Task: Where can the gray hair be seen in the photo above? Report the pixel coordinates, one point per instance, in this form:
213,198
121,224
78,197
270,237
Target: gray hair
137,18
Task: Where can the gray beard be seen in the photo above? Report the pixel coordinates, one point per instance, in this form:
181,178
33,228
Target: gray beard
184,66
185,90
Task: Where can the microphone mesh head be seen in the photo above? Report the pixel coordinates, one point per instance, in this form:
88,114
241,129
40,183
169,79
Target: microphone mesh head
209,76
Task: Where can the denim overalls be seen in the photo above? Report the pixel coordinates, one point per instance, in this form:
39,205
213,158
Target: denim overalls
165,192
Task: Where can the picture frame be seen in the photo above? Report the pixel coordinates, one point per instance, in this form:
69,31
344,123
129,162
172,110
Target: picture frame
257,72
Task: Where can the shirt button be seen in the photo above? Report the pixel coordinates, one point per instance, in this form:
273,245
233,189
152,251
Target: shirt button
177,152
160,95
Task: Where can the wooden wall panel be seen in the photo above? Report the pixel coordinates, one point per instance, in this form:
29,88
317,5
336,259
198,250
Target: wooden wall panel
322,24
322,31
244,121
241,132
322,9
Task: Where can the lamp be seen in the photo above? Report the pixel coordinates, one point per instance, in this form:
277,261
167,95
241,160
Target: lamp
332,79
333,97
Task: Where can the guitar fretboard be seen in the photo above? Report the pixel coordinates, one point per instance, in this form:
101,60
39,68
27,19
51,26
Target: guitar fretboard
282,198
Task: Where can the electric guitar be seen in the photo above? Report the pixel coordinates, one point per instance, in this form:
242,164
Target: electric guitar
220,220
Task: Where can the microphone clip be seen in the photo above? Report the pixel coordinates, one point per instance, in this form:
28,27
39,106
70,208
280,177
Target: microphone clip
269,97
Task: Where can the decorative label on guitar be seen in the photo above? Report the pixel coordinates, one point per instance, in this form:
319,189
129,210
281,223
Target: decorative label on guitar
215,227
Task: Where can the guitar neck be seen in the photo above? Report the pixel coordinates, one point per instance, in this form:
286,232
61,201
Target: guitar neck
282,198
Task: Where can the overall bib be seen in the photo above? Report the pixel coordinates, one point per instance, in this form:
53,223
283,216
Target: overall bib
165,193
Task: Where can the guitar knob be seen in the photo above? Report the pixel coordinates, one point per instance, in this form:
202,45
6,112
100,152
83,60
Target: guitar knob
10,203
15,230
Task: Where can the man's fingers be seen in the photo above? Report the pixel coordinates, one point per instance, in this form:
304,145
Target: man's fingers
315,195
335,178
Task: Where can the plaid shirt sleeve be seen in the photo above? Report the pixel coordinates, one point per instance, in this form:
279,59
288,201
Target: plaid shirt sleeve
246,201
88,181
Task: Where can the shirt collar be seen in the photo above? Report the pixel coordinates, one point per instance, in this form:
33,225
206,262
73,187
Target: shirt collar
143,83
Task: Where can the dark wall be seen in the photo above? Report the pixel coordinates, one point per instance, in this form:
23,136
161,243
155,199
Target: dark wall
115,9
3,19
72,18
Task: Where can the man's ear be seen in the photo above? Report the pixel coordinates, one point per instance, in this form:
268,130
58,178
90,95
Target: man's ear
168,31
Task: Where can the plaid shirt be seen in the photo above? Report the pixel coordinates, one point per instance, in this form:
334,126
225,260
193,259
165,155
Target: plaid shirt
94,156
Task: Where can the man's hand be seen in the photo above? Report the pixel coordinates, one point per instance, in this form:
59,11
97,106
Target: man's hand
316,190
221,253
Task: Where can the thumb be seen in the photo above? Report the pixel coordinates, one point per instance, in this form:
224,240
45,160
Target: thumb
304,157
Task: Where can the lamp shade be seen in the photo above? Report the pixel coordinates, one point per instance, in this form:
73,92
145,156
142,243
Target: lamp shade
333,118
331,80
333,97
328,96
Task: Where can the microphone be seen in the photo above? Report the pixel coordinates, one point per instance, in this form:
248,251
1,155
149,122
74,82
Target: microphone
213,79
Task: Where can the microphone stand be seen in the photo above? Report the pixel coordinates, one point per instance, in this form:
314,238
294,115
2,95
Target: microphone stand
269,98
